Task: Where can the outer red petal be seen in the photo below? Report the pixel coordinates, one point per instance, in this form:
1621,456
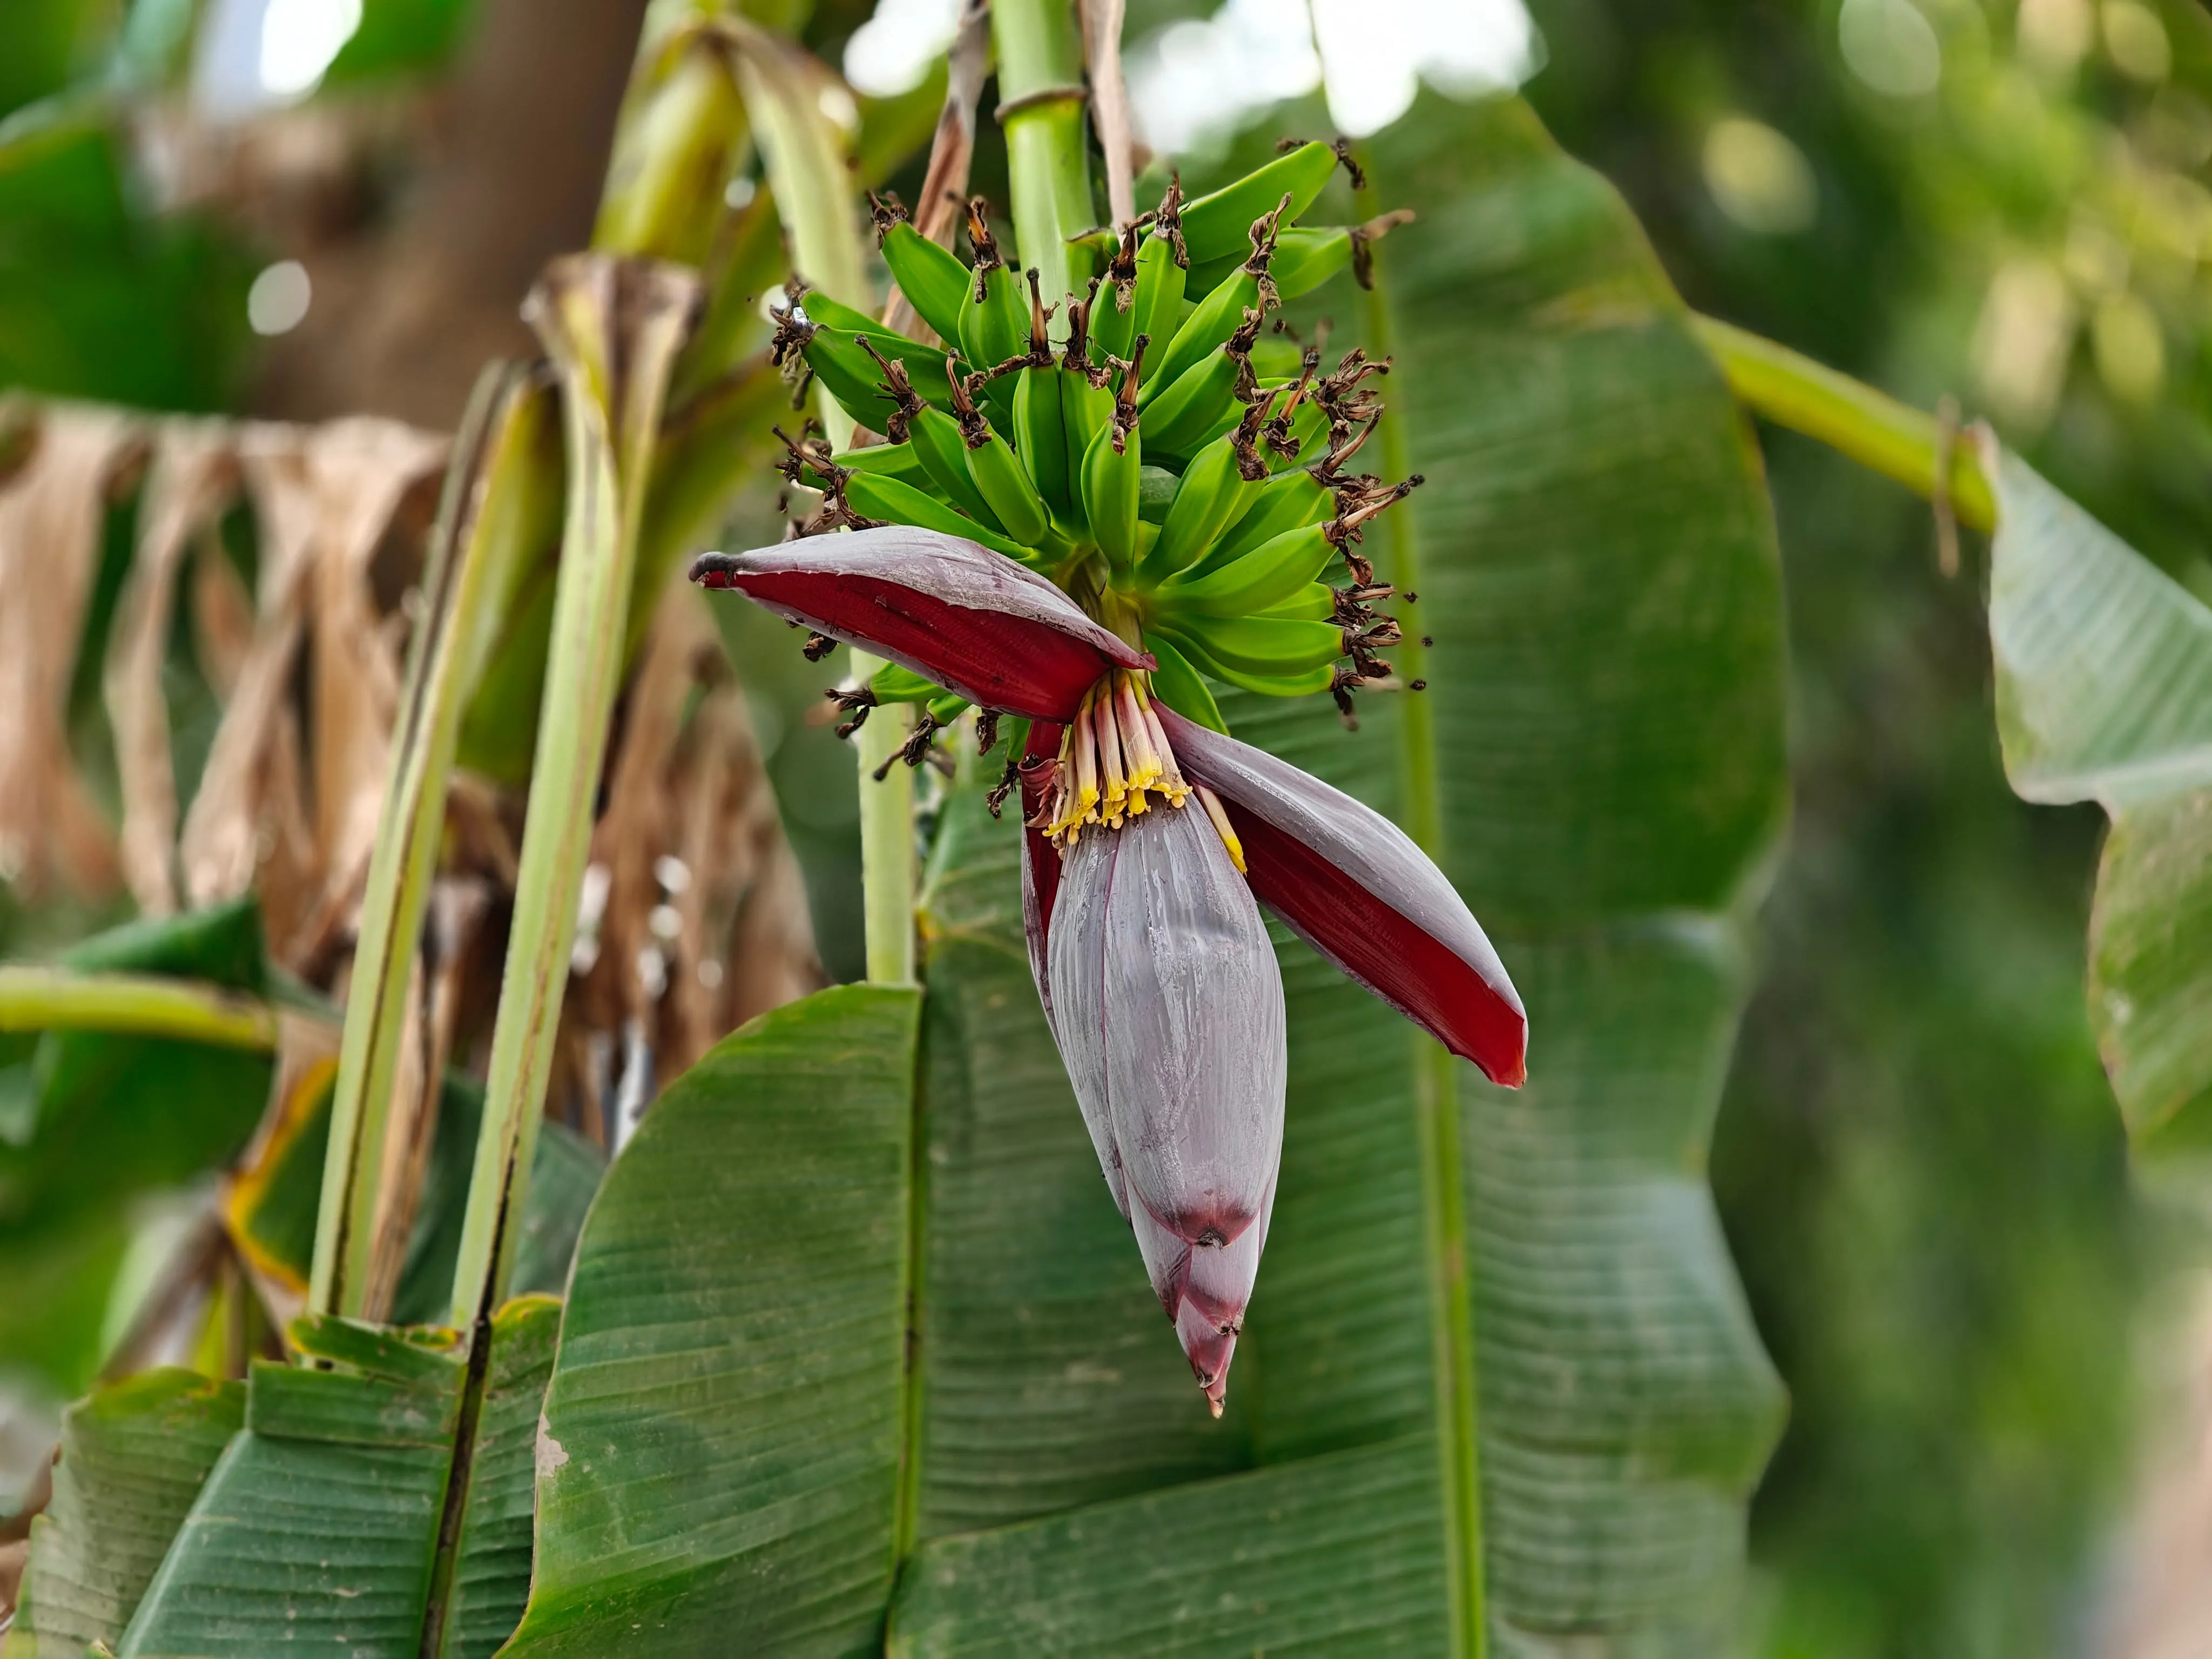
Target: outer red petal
976,623
1354,886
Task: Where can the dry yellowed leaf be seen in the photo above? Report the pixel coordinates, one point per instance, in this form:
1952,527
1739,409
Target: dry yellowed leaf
325,495
222,614
194,472
51,513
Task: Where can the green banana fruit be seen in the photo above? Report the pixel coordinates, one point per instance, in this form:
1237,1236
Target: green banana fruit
1271,572
885,460
1272,656
1219,316
937,439
1218,484
1112,466
1085,407
997,472
1160,287
1283,502
1178,421
1308,256
1040,435
1147,287
1214,225
1114,323
1305,259
873,496
846,366
1304,425
1176,683
1315,602
995,323
933,279
894,683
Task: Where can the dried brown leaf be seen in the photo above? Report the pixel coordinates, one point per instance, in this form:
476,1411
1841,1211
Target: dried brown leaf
1109,104
222,615
324,495
194,472
50,515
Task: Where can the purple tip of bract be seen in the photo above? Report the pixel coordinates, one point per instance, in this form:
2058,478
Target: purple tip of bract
1167,1007
1357,889
969,619
1210,1349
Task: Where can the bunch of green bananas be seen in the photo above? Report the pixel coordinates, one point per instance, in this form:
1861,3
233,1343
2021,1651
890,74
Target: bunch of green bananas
1145,462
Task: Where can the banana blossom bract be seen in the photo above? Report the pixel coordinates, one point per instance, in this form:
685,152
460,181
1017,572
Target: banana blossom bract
1145,933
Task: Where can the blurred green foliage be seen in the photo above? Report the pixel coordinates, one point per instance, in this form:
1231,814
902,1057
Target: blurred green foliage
1918,1159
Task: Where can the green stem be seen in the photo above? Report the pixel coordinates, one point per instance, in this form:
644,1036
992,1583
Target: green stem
1435,1075
134,1004
611,327
1872,428
458,585
1041,89
887,849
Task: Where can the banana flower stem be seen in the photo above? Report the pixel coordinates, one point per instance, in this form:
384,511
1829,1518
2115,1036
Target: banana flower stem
1870,427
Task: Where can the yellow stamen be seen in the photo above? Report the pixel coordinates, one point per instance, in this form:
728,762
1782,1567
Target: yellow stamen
1086,761
1171,780
1214,810
1115,763
1114,796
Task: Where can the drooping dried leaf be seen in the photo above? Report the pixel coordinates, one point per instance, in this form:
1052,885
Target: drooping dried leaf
325,495
222,617
194,471
51,830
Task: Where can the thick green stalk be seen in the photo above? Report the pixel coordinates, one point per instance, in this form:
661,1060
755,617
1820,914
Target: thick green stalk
1041,106
1870,427
467,569
134,1004
887,848
611,327
1435,1075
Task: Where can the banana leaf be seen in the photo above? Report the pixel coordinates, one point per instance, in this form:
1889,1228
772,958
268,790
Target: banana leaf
2104,693
88,1121
111,1115
336,1515
133,1458
858,1352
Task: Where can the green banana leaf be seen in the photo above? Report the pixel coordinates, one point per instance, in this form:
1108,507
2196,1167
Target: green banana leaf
88,1121
858,1352
336,1515
2104,693
133,1458
114,1115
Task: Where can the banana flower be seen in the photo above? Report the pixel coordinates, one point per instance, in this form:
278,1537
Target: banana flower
1152,844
